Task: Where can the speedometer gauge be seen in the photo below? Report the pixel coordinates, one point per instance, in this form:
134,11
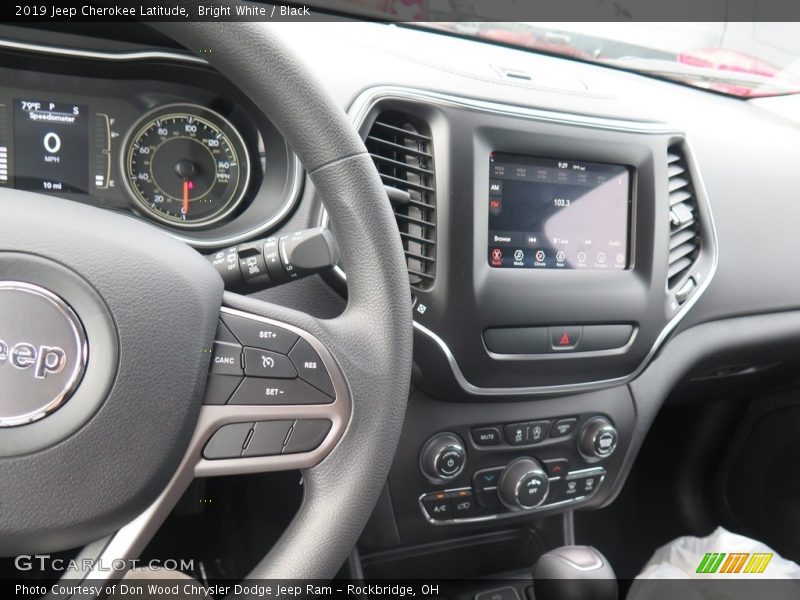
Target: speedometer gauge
185,165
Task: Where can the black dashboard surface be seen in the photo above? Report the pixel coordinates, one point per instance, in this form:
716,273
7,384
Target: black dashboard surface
741,157
743,174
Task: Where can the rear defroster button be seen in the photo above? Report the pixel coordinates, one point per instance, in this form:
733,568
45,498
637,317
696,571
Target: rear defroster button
262,391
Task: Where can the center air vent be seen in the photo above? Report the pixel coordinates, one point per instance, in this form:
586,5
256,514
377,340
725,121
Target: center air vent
684,229
402,149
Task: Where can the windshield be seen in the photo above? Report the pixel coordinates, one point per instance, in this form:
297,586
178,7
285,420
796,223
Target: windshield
741,59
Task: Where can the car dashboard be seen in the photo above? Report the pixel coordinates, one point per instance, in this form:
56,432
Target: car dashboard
570,234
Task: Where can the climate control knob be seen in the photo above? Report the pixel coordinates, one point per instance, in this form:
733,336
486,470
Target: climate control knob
523,484
443,457
598,439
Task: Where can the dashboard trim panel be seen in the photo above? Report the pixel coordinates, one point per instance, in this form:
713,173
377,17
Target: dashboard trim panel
366,102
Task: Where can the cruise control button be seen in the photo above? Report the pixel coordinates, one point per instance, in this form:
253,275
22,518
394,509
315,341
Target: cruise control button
438,506
263,363
258,334
256,390
486,436
310,368
267,438
219,388
565,338
228,441
226,359
563,427
307,435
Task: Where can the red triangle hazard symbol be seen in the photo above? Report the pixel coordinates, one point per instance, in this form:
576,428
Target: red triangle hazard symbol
564,340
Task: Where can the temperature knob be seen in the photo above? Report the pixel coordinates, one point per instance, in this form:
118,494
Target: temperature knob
443,457
523,484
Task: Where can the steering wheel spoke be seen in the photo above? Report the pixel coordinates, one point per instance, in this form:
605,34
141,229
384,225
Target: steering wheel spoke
260,429
276,399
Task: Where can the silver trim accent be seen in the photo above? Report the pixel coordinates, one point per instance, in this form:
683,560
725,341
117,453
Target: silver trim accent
535,470
80,364
131,539
102,54
295,175
367,100
451,442
203,113
296,178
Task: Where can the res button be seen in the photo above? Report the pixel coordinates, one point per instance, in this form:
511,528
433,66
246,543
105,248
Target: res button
310,368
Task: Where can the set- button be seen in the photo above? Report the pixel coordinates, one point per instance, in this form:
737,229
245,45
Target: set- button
259,363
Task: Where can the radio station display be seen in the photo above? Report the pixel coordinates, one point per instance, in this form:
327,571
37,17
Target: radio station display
51,146
547,213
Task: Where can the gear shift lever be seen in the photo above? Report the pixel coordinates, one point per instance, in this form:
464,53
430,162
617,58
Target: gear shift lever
574,573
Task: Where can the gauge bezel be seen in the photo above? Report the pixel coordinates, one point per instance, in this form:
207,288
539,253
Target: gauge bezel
221,123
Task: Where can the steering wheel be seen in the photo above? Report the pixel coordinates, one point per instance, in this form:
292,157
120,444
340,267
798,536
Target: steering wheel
106,331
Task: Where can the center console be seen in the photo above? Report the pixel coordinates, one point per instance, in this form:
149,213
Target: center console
550,256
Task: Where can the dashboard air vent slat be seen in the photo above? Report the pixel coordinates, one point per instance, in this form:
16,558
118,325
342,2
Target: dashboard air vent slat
402,149
684,234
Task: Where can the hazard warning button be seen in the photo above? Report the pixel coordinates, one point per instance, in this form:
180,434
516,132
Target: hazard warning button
565,338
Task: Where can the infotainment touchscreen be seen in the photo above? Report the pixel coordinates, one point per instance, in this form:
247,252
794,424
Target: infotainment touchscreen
552,213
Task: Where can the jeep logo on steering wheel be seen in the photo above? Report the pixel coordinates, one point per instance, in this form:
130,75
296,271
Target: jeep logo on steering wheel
45,359
43,352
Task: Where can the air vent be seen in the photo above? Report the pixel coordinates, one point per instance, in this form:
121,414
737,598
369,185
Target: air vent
402,149
684,230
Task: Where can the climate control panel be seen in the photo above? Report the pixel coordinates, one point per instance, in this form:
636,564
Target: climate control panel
533,466
505,492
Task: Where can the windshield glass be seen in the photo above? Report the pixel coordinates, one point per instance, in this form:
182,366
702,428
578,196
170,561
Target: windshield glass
740,59
743,59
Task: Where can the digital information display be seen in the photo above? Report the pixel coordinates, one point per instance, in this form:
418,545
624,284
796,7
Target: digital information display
547,213
51,146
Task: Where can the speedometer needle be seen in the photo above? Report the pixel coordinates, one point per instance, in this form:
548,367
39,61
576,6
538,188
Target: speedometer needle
186,187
